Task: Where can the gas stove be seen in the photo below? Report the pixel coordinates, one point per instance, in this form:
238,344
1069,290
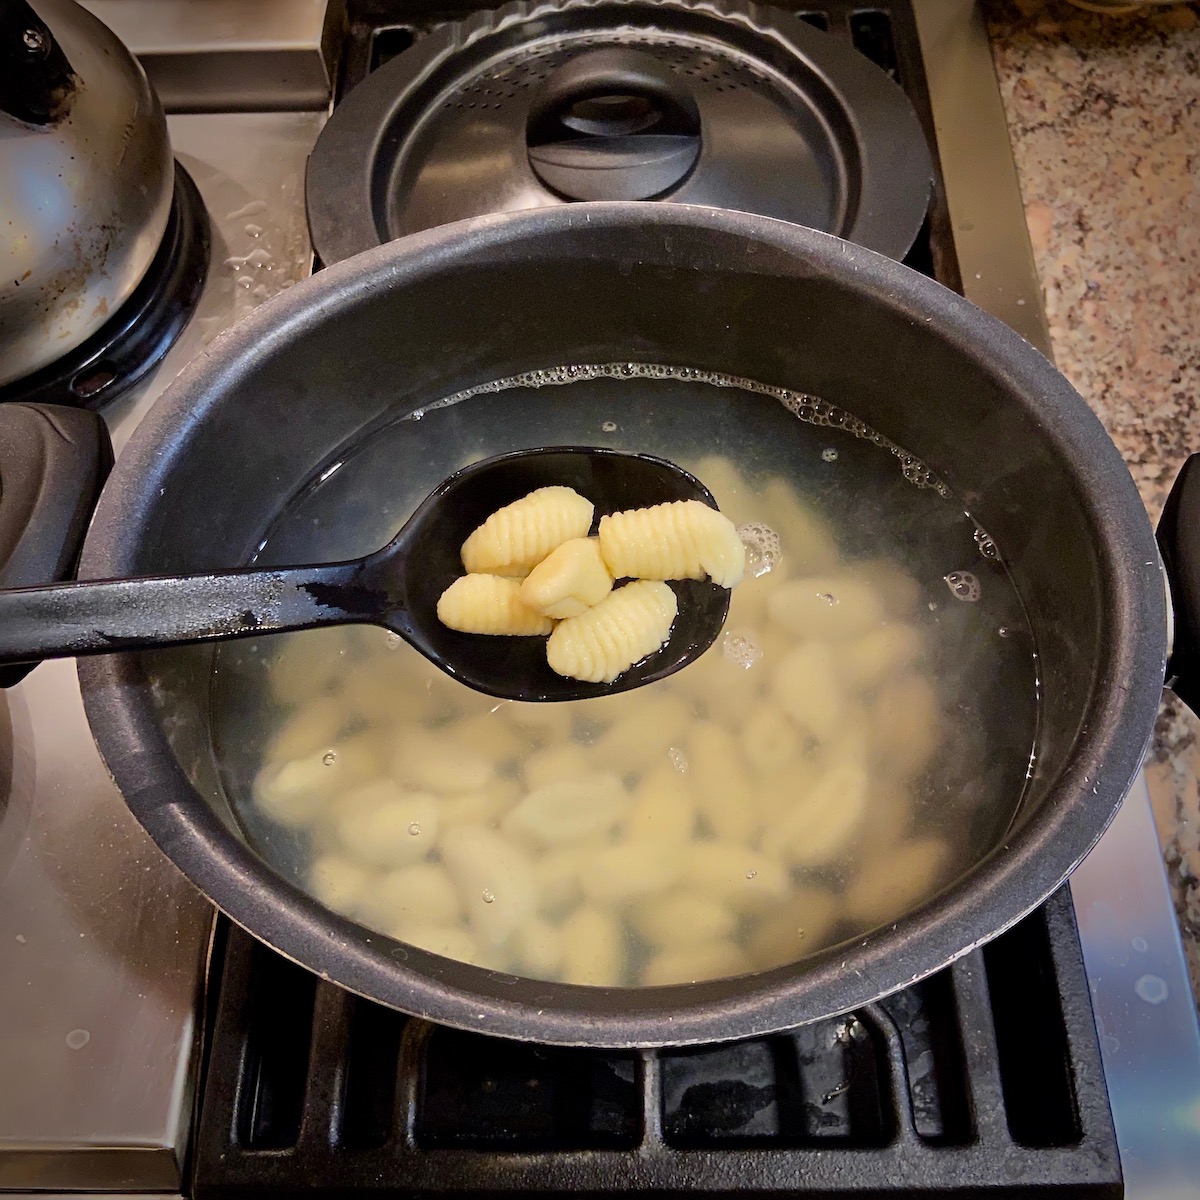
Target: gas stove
148,1047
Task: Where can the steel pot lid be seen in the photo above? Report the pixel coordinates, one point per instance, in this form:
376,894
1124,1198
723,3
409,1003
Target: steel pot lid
721,105
86,178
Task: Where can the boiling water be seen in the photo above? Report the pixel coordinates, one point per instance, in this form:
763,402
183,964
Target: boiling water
858,737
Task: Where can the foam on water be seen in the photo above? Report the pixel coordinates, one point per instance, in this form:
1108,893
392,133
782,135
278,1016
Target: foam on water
764,549
964,586
812,410
741,650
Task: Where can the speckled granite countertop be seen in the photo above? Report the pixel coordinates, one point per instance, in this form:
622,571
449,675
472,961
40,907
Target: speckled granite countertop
1104,116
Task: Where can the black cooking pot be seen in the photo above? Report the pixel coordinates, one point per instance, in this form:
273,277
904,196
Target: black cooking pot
394,328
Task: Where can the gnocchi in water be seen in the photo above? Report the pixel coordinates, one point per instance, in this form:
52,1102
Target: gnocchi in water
596,633
830,764
706,825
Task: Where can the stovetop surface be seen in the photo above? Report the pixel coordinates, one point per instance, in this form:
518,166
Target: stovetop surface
104,943
106,946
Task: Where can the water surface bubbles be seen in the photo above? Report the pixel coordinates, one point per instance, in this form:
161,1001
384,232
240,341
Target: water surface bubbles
963,586
987,548
812,410
741,650
764,550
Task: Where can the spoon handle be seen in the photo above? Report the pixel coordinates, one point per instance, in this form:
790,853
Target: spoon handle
70,619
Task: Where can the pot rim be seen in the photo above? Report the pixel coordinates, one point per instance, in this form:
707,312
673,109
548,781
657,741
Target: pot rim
1014,879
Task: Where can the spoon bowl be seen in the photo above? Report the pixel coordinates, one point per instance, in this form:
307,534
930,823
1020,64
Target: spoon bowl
396,587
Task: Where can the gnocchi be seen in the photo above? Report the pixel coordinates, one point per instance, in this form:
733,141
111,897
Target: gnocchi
447,940
663,809
387,827
439,763
685,539
822,823
622,629
490,604
826,606
627,870
721,782
682,919
593,947
339,882
422,894
571,579
515,538
568,811
693,964
530,564
494,878
801,923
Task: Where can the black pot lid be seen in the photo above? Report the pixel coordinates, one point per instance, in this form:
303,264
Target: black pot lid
696,103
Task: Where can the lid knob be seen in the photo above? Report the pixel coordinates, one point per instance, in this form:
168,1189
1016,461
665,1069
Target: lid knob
613,125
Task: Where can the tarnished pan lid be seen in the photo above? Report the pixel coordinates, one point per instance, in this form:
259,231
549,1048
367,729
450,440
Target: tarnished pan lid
697,103
85,193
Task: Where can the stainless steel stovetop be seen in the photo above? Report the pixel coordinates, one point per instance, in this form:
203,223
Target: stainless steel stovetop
104,944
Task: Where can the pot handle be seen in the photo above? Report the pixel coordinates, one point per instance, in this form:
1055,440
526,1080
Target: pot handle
1179,543
613,124
37,84
53,463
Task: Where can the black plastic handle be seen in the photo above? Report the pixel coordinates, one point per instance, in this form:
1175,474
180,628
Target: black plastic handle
613,124
127,614
37,84
1179,543
53,463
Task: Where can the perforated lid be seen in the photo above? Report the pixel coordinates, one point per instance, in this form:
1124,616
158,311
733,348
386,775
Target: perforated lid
534,105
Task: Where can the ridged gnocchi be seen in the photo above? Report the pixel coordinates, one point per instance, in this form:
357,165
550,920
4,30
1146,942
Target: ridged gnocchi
626,626
515,538
568,811
530,565
490,604
684,539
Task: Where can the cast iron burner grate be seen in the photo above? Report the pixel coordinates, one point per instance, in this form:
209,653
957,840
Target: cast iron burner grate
983,1080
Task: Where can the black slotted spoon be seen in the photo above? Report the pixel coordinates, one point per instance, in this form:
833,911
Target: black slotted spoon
396,587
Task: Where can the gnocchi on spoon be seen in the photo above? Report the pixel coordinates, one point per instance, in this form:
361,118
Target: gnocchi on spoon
488,552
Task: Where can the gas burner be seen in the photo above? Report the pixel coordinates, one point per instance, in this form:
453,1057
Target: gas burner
143,329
